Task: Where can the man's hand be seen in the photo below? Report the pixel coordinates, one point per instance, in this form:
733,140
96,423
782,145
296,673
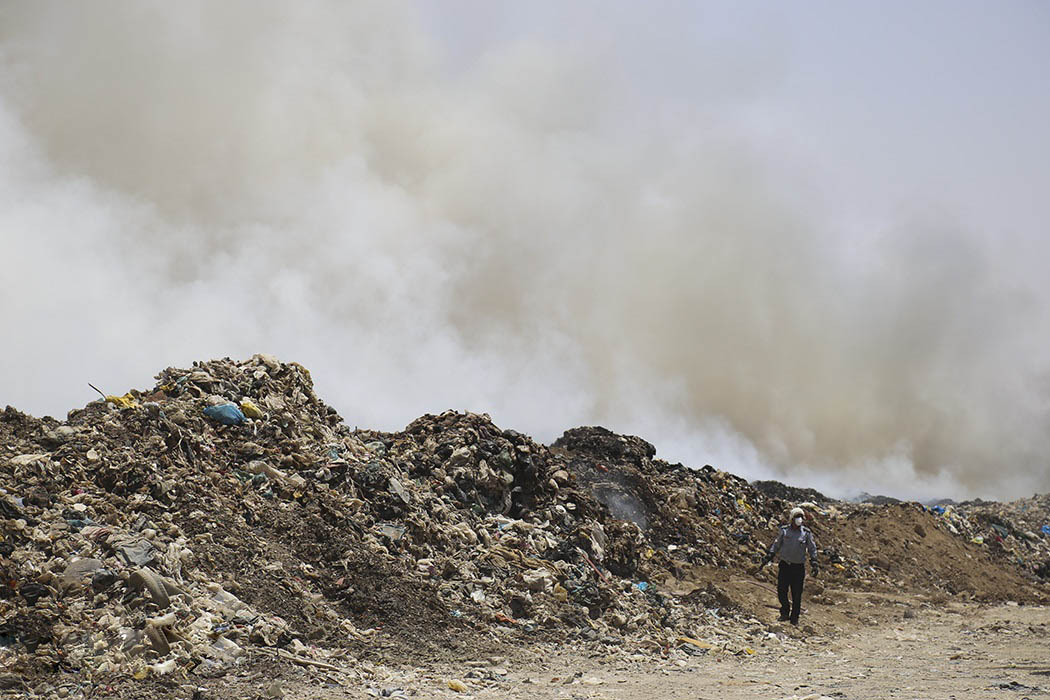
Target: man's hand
816,568
758,569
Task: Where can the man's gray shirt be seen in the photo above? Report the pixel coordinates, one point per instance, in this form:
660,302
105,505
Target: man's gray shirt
793,545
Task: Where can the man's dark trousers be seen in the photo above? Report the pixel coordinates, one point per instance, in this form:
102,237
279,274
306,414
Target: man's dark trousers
790,576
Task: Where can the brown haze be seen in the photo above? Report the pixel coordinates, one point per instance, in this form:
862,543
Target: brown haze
517,235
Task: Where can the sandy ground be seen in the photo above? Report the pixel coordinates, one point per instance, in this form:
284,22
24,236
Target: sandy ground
885,647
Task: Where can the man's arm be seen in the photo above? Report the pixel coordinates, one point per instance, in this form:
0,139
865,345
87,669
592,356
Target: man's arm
774,548
811,547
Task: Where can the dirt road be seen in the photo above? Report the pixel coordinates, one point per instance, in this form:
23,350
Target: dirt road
999,652
886,648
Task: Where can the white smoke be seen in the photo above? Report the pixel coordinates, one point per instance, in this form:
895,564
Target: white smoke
517,235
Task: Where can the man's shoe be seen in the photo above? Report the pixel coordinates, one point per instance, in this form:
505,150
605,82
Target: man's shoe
795,623
782,618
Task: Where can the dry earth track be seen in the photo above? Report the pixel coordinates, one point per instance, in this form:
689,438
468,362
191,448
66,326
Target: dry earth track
887,648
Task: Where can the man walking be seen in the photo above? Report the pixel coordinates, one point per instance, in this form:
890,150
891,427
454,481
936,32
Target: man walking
793,542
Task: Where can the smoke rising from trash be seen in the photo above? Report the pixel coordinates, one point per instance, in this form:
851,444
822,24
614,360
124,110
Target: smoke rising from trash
524,231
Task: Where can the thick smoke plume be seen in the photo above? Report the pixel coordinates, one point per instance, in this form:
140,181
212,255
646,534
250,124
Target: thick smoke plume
521,231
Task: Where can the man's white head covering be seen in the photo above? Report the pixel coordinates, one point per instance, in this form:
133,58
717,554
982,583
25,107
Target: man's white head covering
797,513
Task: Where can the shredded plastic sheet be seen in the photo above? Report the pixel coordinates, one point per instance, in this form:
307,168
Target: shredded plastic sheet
125,401
226,413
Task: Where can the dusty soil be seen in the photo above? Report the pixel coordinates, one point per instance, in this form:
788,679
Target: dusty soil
902,542
963,651
870,645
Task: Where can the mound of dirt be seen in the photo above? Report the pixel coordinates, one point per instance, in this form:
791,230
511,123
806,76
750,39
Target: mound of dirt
904,545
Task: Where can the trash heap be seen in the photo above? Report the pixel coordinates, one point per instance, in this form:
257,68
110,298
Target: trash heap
775,489
1018,531
228,516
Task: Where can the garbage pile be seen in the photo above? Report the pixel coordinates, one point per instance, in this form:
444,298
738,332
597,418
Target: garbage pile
776,489
229,515
1018,531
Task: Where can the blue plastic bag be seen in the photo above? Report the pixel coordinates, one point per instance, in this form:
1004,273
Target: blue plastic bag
1045,529
227,414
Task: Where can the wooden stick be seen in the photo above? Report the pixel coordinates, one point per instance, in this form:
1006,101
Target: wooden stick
303,661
